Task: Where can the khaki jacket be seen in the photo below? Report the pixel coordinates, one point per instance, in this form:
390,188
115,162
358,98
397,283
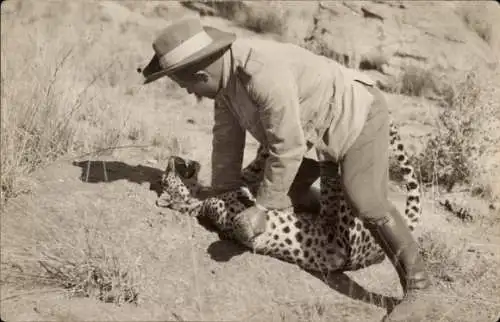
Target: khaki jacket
286,97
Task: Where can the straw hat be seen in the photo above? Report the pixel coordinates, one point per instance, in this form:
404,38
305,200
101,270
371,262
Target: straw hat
183,44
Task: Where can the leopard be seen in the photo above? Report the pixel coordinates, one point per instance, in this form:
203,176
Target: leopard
332,240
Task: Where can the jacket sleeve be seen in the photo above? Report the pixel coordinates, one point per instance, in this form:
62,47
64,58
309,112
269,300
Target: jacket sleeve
276,97
228,145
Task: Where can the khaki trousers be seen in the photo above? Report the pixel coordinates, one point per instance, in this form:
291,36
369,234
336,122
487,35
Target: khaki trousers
364,168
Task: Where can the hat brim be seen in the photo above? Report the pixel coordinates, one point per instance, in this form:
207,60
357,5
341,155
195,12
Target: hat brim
221,39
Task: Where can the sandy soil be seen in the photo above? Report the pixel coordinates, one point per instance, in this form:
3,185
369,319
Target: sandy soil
183,271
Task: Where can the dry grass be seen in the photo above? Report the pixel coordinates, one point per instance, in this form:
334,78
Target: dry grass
442,261
313,310
40,113
95,253
69,88
451,262
76,96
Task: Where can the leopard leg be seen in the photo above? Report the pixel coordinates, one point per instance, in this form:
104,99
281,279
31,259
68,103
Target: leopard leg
304,196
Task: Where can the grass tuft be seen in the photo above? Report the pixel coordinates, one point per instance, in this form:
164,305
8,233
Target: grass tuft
442,261
451,262
83,255
98,274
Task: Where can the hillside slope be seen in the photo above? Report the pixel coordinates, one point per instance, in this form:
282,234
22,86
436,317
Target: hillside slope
86,242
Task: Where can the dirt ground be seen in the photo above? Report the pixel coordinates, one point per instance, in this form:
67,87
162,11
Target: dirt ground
104,203
192,275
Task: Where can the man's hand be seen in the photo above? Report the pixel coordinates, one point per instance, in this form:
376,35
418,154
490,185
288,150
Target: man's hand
250,223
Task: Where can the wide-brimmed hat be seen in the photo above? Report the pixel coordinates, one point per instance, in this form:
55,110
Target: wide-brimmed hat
183,44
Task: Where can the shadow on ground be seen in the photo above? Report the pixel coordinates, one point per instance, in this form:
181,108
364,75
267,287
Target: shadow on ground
224,249
97,171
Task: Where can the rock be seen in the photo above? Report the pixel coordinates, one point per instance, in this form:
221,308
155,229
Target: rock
429,38
370,14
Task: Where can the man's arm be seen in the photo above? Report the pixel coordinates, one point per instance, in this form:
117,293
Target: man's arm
276,97
228,145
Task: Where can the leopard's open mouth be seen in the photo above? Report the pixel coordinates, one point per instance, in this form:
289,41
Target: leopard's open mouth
184,168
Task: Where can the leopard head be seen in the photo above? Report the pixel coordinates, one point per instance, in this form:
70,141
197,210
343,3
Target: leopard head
179,182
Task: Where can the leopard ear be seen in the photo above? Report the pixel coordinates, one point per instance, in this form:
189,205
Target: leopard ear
181,167
192,169
170,164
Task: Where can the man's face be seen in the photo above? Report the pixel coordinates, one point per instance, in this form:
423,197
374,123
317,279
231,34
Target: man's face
199,83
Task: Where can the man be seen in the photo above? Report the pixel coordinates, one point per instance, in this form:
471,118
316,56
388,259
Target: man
293,102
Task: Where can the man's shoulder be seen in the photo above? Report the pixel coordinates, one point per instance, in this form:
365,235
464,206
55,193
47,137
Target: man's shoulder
257,57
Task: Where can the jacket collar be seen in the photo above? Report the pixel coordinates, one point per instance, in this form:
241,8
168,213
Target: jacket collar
234,67
227,69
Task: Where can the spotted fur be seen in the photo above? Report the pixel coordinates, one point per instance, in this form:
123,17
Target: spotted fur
332,240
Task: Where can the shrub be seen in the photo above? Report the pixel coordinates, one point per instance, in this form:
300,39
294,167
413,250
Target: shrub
416,81
451,155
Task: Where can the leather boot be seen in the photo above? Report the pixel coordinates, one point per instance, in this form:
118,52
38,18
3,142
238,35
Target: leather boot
396,240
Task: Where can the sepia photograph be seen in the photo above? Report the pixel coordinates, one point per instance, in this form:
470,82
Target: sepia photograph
250,161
